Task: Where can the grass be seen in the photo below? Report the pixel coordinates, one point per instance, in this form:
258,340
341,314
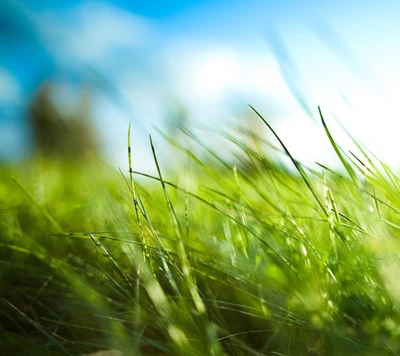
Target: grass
214,259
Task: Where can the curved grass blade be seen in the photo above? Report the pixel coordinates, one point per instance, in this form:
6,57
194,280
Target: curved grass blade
346,165
296,164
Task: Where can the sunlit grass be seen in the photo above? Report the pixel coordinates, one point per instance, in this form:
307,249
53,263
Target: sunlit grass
220,258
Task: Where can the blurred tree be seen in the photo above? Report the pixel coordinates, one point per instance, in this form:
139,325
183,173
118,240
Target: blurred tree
63,133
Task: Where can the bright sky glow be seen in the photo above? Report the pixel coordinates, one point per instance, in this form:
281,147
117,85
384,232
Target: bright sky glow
214,75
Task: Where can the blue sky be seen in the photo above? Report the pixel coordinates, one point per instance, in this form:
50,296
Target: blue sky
215,57
154,9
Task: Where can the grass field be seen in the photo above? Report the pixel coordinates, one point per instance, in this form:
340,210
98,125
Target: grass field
213,259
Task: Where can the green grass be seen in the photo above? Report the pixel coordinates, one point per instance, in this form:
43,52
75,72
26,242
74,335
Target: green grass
214,259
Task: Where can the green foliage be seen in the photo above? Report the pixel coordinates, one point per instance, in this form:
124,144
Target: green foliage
215,259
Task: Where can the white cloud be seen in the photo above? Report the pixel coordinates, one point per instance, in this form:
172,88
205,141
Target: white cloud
13,139
93,31
10,90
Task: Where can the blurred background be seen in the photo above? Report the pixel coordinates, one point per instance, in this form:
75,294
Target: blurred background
91,67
